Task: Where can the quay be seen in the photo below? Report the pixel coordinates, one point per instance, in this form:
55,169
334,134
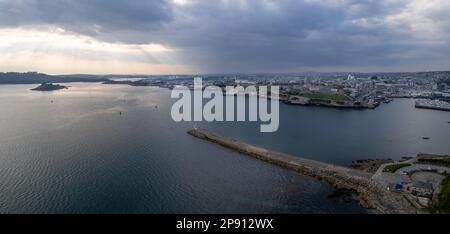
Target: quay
433,105
369,193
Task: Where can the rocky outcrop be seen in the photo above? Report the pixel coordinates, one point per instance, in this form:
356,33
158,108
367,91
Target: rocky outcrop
49,87
369,165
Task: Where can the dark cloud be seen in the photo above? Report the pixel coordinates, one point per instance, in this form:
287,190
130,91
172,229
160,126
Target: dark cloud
257,35
90,17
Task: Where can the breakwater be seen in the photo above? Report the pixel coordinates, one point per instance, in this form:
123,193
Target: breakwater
369,193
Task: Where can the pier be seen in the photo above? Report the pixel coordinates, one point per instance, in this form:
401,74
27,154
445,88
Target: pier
369,193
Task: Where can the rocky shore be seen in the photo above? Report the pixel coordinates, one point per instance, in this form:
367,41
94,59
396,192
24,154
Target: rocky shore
369,165
369,193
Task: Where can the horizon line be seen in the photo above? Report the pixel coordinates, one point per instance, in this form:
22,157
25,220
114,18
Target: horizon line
227,73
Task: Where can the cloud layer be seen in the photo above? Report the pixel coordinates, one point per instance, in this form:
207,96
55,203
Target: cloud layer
256,35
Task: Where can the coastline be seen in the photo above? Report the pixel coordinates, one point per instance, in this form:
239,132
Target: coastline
432,107
369,193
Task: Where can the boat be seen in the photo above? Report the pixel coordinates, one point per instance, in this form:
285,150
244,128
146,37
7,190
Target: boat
426,138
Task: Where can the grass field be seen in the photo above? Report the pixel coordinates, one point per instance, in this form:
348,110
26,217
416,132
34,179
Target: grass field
393,168
327,97
443,205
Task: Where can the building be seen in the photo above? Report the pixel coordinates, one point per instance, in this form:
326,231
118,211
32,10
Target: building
422,189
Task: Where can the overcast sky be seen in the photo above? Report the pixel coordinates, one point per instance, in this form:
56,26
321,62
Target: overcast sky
209,36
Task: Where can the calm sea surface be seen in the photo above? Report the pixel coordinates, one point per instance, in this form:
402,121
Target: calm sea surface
71,151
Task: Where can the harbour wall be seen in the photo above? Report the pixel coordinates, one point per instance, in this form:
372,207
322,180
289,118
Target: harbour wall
369,193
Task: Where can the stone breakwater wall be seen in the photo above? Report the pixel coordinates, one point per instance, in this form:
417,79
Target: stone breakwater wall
370,194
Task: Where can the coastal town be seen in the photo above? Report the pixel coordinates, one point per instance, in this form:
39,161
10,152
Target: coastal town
338,90
418,184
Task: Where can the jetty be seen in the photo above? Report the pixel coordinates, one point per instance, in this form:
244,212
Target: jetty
369,193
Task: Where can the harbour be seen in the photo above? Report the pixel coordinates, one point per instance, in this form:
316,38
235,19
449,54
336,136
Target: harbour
76,139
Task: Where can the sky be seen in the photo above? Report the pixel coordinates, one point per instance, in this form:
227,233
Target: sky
223,36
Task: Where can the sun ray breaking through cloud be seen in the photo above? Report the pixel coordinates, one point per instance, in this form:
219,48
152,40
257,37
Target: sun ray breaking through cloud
176,36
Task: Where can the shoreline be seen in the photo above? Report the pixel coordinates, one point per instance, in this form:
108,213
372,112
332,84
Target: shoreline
432,108
369,193
356,107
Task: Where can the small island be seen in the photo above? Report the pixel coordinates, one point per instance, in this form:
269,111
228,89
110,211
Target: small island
49,87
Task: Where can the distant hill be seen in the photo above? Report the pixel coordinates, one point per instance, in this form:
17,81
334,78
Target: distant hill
38,78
